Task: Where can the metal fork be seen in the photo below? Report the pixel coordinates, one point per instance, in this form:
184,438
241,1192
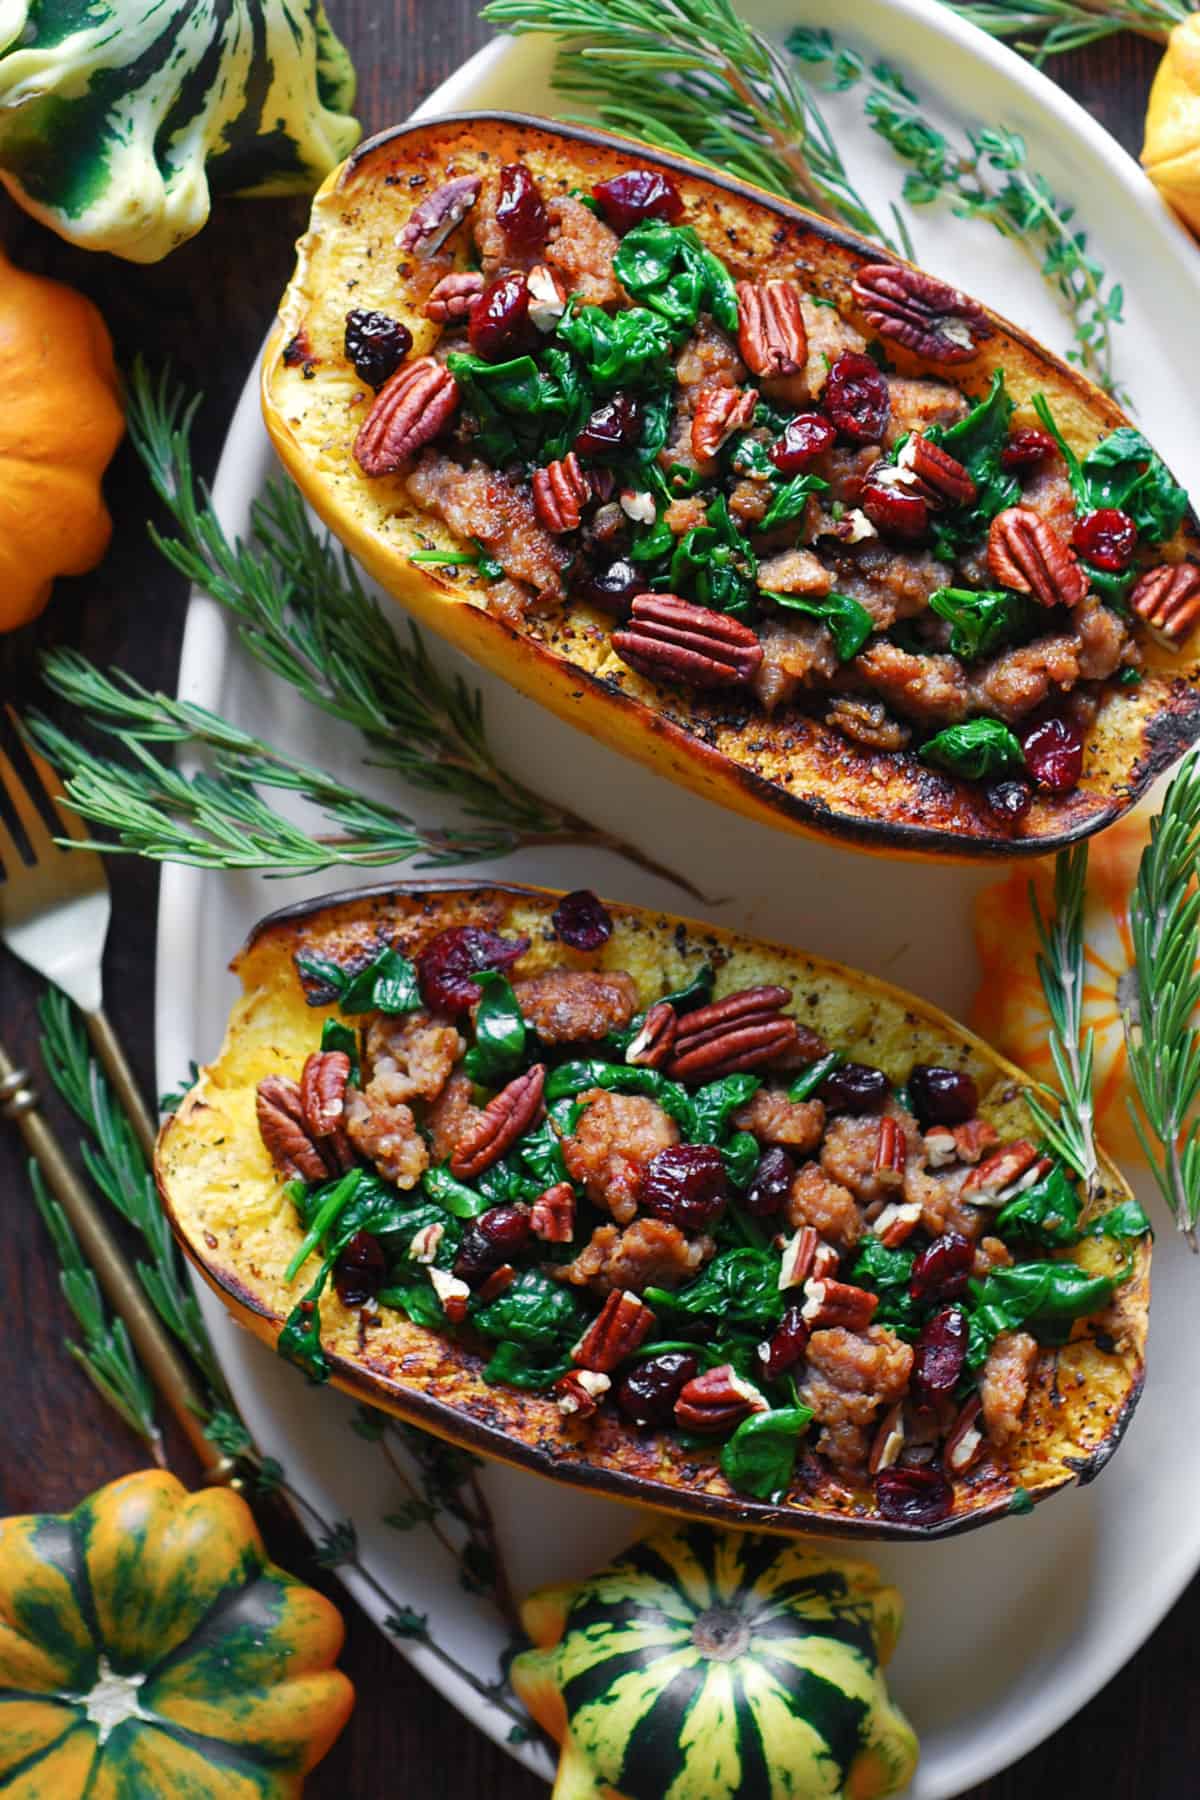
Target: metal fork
54,914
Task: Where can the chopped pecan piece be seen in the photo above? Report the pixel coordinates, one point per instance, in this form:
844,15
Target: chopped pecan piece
717,1400
720,411
742,1031
771,333
547,297
991,1181
503,1120
1026,553
973,1138
831,1304
454,296
1167,600
796,1257
552,1215
965,1444
497,1283
897,1222
668,639
452,1293
889,1440
620,1327
284,1131
560,491
891,1150
927,316
579,1392
412,407
653,1042
431,222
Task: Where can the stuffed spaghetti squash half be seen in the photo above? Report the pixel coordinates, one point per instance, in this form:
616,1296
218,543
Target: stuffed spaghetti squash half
803,528
692,1220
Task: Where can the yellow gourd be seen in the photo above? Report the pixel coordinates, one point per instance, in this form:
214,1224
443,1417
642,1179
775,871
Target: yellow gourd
60,421
1171,151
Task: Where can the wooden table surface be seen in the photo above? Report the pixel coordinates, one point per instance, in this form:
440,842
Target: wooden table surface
207,307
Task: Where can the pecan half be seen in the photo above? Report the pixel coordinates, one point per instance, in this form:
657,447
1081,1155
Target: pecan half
620,1327
717,1400
668,639
503,1120
942,476
579,1392
999,1175
771,334
651,1045
1026,553
430,223
282,1127
720,411
743,1031
547,297
410,409
927,316
1167,600
454,296
890,1150
323,1098
560,491
552,1215
828,1304
965,1444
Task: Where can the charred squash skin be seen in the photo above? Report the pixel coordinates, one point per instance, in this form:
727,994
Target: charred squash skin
232,1216
788,771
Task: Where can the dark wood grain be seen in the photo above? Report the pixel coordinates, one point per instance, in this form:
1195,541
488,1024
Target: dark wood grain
207,306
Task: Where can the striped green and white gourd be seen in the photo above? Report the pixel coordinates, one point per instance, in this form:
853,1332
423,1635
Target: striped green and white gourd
707,1665
119,118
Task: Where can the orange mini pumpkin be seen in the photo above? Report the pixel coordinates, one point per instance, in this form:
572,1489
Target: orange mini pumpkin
1010,1009
60,421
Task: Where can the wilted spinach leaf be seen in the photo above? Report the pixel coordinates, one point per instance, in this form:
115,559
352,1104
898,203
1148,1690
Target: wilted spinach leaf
1046,1213
622,1078
739,1288
977,441
499,1047
1037,1294
761,1454
669,269
975,749
388,983
984,619
627,349
849,622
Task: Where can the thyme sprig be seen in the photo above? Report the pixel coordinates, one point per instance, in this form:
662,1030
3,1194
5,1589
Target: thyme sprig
302,612
1068,1123
1045,28
985,176
1161,1034
693,76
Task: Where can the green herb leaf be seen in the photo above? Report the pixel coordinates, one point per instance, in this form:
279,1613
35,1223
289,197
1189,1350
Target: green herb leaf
1126,472
417,1300
388,983
760,1456
523,409
983,619
849,622
668,268
500,1032
541,1154
975,749
888,1273
324,1205
511,1365
300,1340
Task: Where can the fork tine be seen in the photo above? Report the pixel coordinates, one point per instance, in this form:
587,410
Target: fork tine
10,857
71,824
39,838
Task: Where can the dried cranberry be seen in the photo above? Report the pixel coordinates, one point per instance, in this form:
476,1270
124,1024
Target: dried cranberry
857,399
786,1344
942,1096
804,439
582,921
646,1393
940,1271
491,1239
854,1088
1054,754
376,344
686,1185
894,512
446,964
638,194
498,325
1107,537
611,589
521,211
1008,801
359,1271
770,1184
914,1496
1026,448
940,1354
612,428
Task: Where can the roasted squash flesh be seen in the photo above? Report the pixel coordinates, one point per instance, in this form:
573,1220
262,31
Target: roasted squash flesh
456,1297
842,687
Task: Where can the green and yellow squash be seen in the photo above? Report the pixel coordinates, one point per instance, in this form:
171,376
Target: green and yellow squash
119,119
148,1647
706,1665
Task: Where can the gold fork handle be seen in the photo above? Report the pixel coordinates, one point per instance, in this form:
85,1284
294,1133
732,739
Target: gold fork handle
107,1046
19,1102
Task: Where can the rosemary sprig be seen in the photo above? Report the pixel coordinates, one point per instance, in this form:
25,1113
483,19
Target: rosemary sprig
302,612
105,1355
1161,1034
987,176
1068,1125
693,76
114,1159
1046,28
